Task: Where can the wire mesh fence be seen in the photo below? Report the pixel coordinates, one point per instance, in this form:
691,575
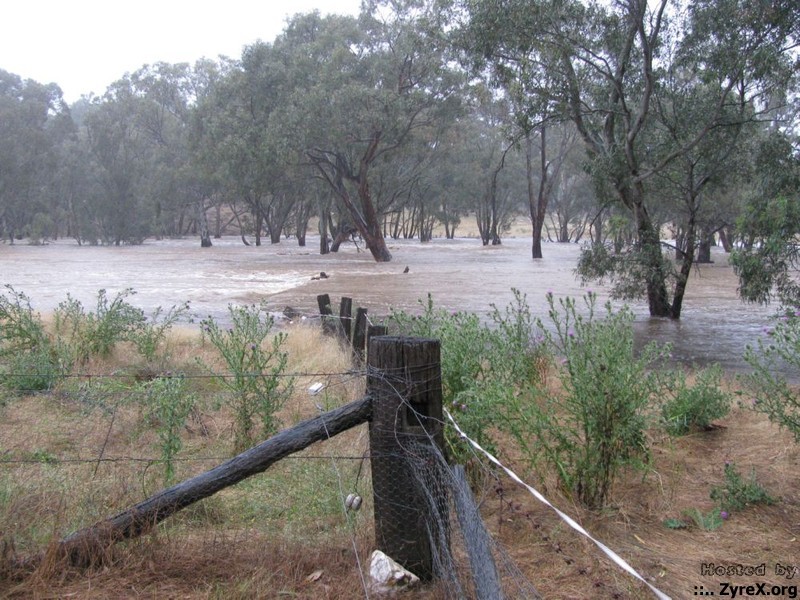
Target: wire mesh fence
91,450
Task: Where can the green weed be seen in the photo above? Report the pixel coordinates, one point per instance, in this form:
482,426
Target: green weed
694,406
257,385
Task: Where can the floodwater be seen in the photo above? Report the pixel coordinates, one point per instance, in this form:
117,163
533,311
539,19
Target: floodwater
460,274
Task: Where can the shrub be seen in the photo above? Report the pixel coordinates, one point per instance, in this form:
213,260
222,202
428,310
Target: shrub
84,335
28,360
168,404
695,406
34,370
481,366
772,394
150,335
257,383
596,423
737,492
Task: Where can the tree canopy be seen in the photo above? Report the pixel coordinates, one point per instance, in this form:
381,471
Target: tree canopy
621,125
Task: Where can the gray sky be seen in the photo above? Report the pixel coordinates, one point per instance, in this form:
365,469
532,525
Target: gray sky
84,45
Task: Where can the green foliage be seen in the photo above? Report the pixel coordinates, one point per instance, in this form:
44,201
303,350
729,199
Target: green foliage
695,406
769,224
628,271
168,403
464,349
31,371
96,333
44,457
22,329
596,424
709,521
257,384
772,395
481,366
672,523
493,378
31,359
41,229
150,336
766,266
737,492
27,358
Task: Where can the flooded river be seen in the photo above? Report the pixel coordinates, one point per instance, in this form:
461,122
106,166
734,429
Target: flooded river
460,274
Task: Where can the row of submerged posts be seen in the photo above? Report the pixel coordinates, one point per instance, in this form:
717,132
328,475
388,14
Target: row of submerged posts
353,331
403,406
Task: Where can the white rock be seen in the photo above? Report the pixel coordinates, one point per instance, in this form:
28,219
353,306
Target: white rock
387,577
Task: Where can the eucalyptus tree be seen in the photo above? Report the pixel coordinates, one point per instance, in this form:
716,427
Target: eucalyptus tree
34,120
119,149
769,255
361,89
489,151
167,94
608,63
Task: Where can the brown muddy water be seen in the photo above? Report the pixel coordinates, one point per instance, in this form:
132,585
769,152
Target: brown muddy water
460,274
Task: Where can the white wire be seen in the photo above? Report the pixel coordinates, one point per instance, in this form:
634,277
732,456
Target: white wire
565,517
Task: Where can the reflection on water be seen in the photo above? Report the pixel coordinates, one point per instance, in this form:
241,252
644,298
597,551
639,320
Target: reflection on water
460,274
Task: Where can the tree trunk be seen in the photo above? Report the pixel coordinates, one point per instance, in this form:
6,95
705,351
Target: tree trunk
370,227
686,266
259,219
537,201
650,248
202,219
324,231
704,249
725,240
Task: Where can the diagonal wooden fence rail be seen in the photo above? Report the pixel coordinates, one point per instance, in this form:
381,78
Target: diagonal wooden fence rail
403,406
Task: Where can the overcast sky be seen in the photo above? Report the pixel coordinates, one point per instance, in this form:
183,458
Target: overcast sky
84,45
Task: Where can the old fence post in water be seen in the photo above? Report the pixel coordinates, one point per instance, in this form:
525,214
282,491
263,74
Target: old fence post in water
404,382
354,331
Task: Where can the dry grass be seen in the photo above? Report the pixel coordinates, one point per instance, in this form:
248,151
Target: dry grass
283,534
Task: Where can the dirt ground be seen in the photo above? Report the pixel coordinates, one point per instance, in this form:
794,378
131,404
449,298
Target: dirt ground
212,553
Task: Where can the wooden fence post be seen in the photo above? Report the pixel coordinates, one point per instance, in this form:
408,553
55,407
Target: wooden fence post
326,314
360,334
345,318
404,382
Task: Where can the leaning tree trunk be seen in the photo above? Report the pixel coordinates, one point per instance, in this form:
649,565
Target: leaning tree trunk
687,260
369,226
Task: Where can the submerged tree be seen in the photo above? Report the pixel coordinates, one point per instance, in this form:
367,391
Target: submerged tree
769,256
361,90
610,63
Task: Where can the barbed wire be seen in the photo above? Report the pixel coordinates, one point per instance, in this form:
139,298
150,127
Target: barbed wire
182,375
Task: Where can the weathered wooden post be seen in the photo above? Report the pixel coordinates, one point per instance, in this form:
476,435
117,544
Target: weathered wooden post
345,317
404,382
360,334
326,314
